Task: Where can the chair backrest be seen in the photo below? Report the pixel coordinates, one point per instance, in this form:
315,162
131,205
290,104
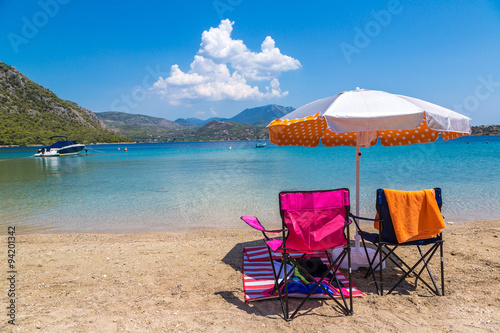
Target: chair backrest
388,234
315,219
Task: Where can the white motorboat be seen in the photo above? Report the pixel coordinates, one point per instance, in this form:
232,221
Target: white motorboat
60,148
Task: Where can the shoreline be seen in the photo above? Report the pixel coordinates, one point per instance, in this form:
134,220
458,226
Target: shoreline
134,142
164,281
188,230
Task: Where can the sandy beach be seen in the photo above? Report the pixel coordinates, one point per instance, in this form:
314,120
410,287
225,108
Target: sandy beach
192,282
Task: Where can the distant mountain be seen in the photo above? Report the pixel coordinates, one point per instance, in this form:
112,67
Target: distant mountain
486,130
189,122
259,116
30,114
120,119
247,125
185,122
229,130
262,115
143,128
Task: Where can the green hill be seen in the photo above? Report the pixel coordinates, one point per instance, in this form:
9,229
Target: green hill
486,130
262,115
143,128
30,114
185,122
228,130
258,116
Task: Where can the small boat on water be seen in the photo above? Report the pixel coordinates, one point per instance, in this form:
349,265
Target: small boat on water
60,148
260,145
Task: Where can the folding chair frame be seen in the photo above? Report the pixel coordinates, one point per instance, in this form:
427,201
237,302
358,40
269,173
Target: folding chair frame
333,268
386,250
281,287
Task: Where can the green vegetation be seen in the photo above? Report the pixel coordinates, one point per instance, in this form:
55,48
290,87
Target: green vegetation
226,130
140,133
30,114
486,130
262,115
213,131
142,128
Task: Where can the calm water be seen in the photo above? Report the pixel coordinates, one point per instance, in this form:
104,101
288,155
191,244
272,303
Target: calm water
178,186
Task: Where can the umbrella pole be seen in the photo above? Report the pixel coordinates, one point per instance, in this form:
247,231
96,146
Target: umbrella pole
358,257
357,237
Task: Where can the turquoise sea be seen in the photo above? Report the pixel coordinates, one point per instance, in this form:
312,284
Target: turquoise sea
184,186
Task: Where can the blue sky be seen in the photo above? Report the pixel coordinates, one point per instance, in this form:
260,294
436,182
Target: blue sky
210,58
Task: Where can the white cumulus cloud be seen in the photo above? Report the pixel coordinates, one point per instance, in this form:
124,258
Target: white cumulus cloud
224,68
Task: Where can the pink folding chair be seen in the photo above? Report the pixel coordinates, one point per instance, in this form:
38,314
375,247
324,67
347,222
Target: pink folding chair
312,222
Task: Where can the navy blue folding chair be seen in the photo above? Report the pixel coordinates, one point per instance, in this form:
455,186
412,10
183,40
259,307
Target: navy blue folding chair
386,244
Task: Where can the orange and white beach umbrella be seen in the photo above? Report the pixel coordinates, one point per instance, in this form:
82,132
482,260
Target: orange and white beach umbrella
360,118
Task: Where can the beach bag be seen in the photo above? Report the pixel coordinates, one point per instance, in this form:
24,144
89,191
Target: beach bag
314,266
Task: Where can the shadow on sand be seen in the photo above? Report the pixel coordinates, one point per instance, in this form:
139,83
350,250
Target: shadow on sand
272,308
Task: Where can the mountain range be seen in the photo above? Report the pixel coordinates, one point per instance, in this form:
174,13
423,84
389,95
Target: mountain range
246,125
30,114
258,116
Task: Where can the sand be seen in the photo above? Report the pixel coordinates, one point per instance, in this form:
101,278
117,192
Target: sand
192,282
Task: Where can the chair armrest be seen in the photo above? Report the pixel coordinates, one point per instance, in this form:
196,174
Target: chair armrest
377,221
364,218
255,223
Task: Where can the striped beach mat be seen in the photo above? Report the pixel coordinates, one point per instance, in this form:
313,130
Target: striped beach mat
258,279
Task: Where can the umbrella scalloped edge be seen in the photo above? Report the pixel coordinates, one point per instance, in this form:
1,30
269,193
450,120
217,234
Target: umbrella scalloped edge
309,131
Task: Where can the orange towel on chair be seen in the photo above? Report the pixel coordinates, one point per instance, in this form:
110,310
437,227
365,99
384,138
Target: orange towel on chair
415,214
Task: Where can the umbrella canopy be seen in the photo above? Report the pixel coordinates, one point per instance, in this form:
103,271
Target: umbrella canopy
360,117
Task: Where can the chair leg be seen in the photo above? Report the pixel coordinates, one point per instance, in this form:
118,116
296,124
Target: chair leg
333,269
371,270
348,248
442,267
412,269
380,269
283,294
276,283
286,286
350,279
372,267
426,266
385,253
383,257
426,258
336,264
